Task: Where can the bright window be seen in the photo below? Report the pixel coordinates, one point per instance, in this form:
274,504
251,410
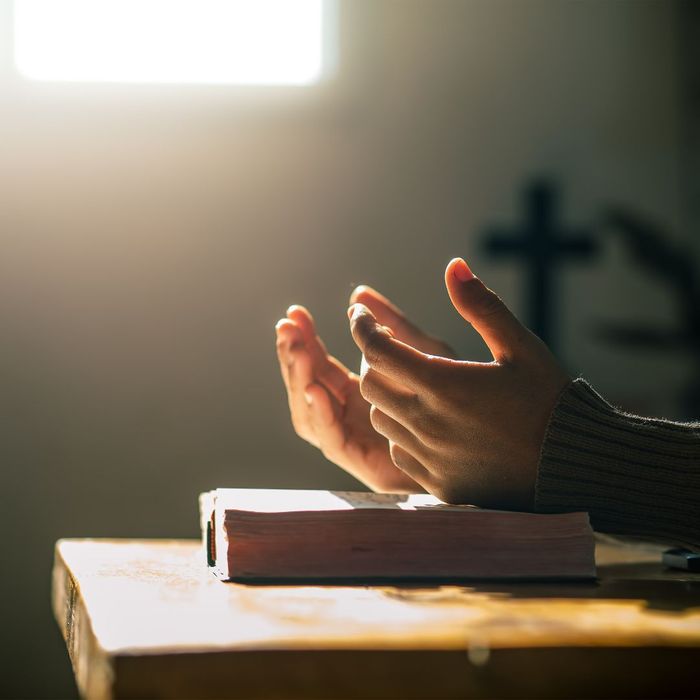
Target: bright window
254,42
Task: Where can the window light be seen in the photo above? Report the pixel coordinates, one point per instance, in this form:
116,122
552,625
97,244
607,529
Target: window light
264,42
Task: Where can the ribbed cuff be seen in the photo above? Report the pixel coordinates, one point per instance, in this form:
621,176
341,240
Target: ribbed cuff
635,476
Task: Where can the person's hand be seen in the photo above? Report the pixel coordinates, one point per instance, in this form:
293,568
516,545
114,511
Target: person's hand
467,432
389,315
325,403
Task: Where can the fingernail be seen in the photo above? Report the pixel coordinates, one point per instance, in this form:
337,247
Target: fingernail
351,310
462,271
279,324
309,398
359,289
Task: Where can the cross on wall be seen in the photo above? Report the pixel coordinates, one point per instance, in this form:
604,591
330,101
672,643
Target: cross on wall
541,243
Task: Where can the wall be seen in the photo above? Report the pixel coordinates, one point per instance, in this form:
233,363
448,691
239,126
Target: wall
151,236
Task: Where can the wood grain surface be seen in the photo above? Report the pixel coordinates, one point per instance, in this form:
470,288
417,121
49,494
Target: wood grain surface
146,619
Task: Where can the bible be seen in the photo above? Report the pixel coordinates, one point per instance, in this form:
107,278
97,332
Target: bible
284,534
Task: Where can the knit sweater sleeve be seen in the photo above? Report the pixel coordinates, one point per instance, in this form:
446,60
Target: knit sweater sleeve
635,476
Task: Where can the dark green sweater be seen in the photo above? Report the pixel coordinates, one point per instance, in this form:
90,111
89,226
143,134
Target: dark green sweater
635,476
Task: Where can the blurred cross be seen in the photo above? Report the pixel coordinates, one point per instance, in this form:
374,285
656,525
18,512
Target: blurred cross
541,245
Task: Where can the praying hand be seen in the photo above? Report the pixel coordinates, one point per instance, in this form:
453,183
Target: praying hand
417,418
515,433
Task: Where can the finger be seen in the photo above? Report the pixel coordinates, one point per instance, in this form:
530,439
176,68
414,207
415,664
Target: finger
327,369
502,332
408,464
323,416
288,335
388,314
390,398
305,321
395,432
387,355
300,377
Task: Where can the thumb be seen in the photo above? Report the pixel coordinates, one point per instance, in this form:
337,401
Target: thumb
490,317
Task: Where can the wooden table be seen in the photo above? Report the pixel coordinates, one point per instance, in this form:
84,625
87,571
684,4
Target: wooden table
145,619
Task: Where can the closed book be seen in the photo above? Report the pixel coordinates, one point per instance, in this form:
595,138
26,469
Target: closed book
284,534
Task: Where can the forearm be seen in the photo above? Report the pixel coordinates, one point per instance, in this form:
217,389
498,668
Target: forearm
635,476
